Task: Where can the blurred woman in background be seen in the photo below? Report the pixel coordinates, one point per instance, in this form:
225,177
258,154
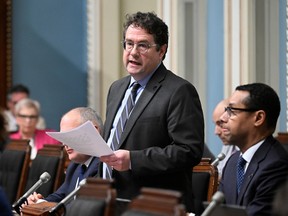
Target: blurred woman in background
27,115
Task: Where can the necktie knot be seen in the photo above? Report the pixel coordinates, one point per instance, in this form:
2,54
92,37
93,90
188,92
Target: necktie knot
135,87
241,161
83,169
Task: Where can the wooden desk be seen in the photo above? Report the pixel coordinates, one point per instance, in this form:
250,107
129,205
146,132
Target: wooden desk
39,209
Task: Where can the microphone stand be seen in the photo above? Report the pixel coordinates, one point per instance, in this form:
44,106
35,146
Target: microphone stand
58,210
44,178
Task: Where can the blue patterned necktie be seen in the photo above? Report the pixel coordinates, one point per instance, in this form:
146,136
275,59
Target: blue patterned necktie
240,172
124,117
122,122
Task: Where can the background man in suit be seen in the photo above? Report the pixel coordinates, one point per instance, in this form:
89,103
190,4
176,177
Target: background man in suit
249,123
227,149
164,135
70,120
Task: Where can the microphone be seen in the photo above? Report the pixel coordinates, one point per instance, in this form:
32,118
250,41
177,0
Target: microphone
219,158
217,199
44,178
66,200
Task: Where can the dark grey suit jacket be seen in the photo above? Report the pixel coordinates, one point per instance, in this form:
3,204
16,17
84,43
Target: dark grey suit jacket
164,134
267,170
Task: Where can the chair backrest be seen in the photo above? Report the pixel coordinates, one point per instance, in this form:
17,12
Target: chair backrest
14,165
204,183
96,197
154,201
282,137
51,159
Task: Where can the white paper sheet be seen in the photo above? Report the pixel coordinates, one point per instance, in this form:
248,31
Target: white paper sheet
84,139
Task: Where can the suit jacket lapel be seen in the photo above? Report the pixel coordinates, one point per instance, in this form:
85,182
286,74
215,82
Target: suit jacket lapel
150,90
252,168
259,156
91,170
230,182
115,103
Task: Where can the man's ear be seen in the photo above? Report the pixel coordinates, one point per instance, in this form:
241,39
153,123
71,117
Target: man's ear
163,50
260,117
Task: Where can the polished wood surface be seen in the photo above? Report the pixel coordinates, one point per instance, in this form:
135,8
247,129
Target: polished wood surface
155,201
282,137
38,209
5,49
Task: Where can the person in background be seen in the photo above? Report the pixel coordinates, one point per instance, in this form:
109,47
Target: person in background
27,112
15,94
253,174
5,206
69,121
227,149
164,136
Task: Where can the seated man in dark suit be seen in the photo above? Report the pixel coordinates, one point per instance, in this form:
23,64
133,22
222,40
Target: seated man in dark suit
249,122
70,120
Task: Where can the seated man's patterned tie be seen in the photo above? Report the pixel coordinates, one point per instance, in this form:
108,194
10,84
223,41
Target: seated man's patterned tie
240,172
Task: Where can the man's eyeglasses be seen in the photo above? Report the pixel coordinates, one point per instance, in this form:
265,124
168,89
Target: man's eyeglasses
30,117
230,110
141,47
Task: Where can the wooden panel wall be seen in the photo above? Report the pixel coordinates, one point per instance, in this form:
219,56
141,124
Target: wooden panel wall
5,49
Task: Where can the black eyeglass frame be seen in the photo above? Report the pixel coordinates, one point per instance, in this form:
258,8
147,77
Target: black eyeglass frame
138,48
230,109
32,117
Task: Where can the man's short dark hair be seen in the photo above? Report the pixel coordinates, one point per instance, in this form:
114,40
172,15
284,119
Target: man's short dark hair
262,97
19,88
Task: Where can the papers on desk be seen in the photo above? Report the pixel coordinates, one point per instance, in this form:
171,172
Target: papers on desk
84,139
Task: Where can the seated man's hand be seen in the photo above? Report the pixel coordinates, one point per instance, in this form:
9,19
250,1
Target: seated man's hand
33,198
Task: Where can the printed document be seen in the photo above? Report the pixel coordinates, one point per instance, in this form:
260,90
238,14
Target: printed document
84,139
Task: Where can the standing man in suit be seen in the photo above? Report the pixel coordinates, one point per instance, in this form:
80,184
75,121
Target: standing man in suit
249,123
164,136
70,120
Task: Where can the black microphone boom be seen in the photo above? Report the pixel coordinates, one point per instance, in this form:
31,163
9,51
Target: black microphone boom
217,199
219,158
44,178
63,202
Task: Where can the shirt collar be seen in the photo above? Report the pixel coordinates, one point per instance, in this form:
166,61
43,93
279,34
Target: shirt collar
251,151
144,81
87,163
